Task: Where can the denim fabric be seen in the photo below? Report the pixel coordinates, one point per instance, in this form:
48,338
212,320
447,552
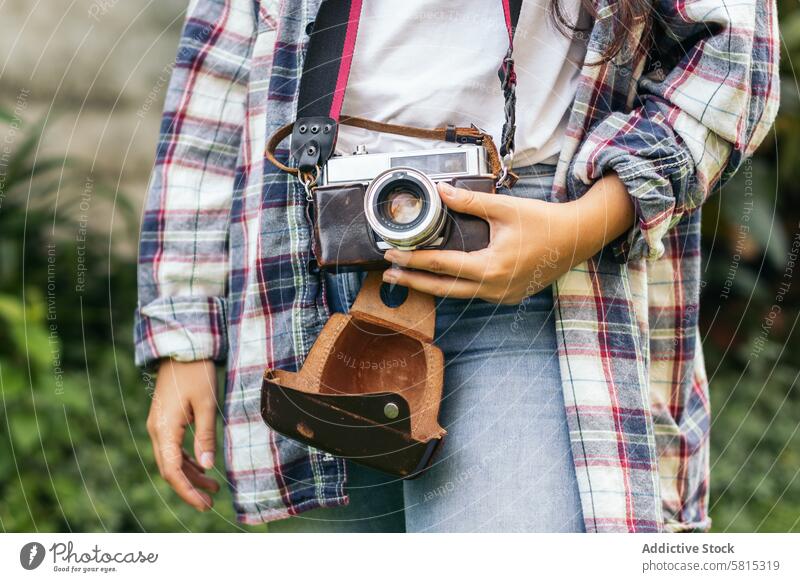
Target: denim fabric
505,464
376,506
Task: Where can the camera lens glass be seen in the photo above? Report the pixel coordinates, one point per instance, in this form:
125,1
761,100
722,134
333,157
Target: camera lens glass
401,204
403,207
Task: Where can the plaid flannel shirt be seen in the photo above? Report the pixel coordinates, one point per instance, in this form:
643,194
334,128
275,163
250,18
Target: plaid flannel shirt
225,245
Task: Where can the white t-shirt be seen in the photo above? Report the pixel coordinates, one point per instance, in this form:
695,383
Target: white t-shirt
429,63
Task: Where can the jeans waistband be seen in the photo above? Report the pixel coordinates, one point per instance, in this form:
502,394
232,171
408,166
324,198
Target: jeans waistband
535,170
535,181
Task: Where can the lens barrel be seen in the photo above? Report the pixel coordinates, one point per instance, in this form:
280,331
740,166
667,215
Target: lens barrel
403,207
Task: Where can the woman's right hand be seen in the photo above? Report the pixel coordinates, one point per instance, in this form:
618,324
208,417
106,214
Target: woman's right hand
185,393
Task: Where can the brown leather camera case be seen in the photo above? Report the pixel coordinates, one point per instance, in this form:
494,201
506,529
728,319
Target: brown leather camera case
370,388
344,241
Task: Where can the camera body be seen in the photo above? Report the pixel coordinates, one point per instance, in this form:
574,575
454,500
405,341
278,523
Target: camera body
369,203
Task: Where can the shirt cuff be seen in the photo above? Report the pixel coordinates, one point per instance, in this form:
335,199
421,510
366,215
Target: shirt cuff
657,172
186,329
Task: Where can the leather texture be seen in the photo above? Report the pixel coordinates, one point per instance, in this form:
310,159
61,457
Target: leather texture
371,387
343,240
313,141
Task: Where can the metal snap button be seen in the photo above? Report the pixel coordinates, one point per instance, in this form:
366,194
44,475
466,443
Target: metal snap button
391,411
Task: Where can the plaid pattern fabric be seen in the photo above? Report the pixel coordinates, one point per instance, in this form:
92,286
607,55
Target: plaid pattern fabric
225,245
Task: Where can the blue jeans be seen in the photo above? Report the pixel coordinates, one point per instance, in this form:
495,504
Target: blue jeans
505,464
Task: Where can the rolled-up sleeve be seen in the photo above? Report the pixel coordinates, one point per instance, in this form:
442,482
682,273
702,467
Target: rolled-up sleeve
183,248
708,101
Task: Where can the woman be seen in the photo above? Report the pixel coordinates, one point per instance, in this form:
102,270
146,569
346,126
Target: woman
575,395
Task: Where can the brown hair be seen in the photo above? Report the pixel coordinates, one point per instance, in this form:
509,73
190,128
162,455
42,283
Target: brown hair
627,15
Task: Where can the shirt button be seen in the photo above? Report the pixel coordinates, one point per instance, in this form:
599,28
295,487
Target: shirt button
310,28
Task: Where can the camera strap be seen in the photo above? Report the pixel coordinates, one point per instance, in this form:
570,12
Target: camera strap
324,82
308,174
376,417
508,78
329,56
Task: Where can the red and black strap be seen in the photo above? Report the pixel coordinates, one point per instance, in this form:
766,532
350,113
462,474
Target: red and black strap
330,53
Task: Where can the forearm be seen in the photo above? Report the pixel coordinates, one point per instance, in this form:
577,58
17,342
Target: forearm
600,216
520,259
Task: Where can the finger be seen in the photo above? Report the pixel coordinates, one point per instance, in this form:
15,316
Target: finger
176,477
198,478
456,263
205,435
156,448
187,458
172,460
438,285
196,474
156,422
480,204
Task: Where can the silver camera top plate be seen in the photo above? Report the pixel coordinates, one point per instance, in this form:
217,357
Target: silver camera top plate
436,163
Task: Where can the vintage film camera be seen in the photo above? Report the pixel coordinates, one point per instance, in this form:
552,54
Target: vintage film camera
368,203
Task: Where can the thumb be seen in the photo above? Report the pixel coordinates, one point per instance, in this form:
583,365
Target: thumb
205,434
480,204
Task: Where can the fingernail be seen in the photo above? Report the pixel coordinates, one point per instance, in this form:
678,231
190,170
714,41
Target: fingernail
390,276
207,460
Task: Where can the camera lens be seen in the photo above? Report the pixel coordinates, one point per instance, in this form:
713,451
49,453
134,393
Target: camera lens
403,207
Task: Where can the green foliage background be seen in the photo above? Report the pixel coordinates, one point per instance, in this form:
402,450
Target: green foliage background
74,453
